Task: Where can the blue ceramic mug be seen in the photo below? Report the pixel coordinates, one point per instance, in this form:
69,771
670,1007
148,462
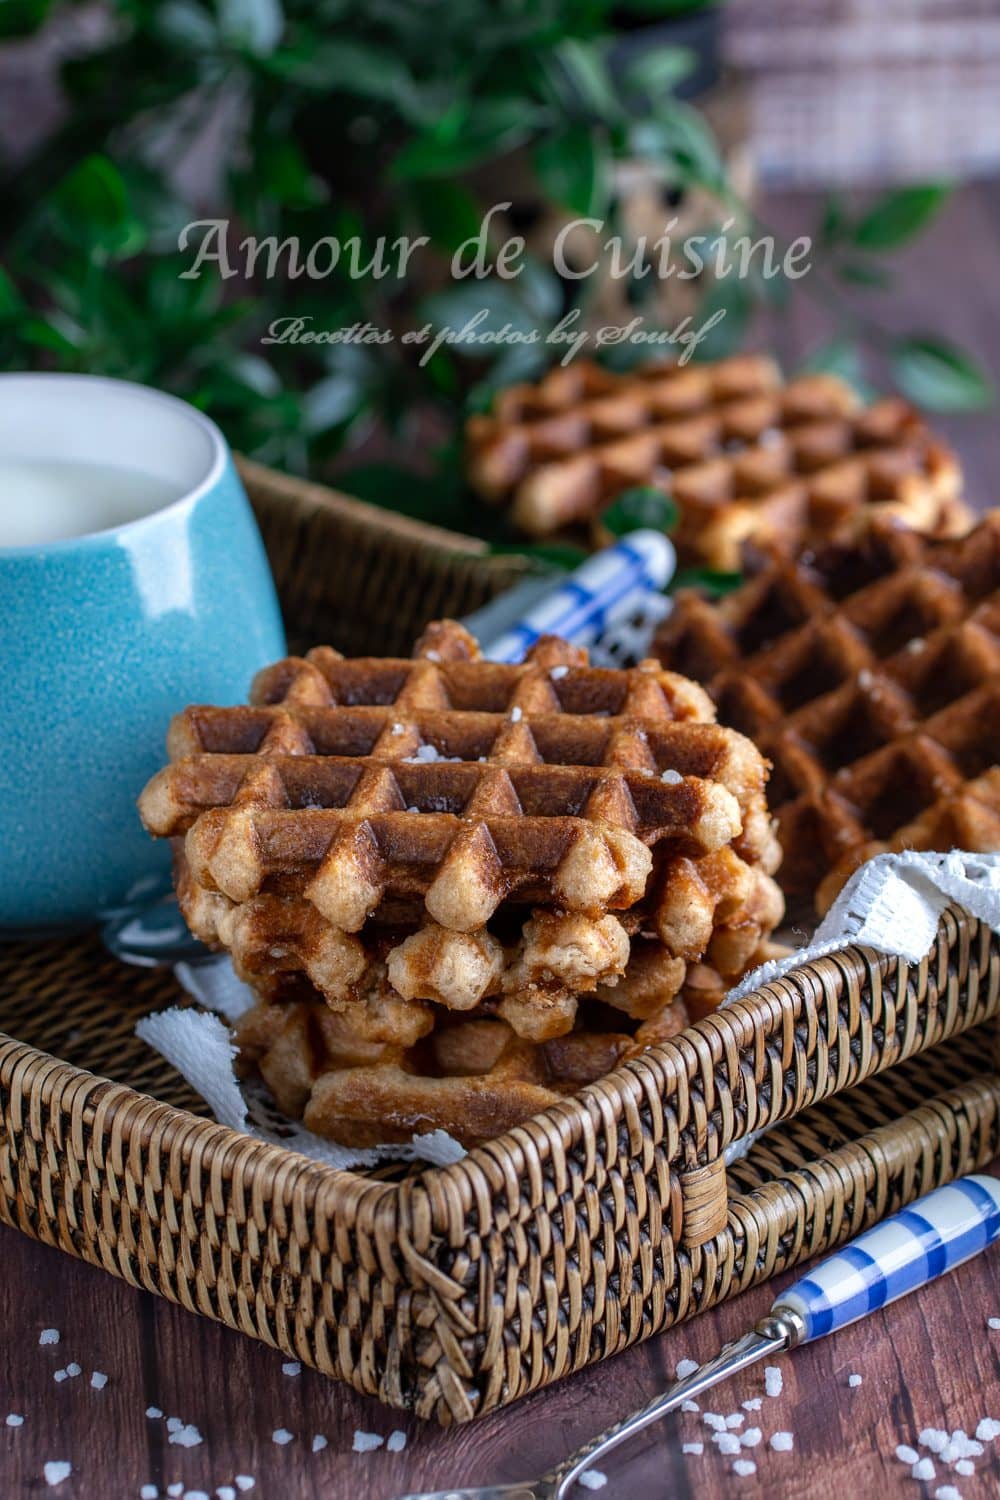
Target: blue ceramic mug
132,582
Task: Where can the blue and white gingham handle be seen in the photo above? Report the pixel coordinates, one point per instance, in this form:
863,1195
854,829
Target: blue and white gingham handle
933,1235
581,607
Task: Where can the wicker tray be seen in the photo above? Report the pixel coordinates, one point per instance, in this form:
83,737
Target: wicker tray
451,1291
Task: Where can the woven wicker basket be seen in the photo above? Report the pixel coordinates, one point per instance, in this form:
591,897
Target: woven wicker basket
451,1291
364,578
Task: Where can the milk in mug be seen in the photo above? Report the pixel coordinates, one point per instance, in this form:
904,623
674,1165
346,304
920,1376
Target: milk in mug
48,499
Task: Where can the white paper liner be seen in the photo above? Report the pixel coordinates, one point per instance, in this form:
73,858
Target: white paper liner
892,904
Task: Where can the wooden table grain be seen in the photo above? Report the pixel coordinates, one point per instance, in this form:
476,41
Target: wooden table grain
930,1361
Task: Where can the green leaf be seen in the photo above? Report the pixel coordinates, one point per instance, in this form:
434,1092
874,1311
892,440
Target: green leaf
710,580
573,169
659,70
463,301
352,67
585,83
833,224
446,211
423,496
55,333
93,196
184,24
679,141
859,273
472,133
732,298
253,26
252,371
841,356
939,376
540,289
560,557
331,401
638,508
21,17
282,172
659,10
11,301
898,216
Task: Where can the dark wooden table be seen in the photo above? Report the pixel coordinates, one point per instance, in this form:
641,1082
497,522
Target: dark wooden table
929,1362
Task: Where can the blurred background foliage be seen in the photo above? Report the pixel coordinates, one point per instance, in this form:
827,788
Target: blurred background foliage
381,117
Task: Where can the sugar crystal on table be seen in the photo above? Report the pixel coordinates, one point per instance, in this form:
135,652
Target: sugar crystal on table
366,1442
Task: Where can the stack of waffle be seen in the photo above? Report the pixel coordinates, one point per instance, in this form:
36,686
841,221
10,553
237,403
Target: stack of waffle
870,677
463,889
747,457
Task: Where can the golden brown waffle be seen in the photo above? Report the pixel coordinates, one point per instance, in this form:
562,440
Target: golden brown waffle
445,851
472,1076
282,947
453,785
747,457
870,676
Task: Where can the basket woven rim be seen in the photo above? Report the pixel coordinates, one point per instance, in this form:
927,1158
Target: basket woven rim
527,1146
259,478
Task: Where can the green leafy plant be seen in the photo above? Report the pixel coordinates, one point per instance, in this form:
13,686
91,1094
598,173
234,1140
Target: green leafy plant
925,367
641,506
354,119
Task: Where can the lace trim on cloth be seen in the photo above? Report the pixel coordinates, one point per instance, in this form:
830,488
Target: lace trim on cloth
893,904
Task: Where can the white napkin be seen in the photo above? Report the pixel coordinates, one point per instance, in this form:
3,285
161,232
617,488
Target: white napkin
201,1048
893,904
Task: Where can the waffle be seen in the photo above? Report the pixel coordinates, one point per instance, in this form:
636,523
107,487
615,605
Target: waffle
417,863
870,677
580,763
471,1076
449,786
747,457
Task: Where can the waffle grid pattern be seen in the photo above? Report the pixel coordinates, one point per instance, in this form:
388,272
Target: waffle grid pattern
350,834
870,677
747,457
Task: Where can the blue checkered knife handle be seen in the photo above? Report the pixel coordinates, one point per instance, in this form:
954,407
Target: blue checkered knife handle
921,1242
